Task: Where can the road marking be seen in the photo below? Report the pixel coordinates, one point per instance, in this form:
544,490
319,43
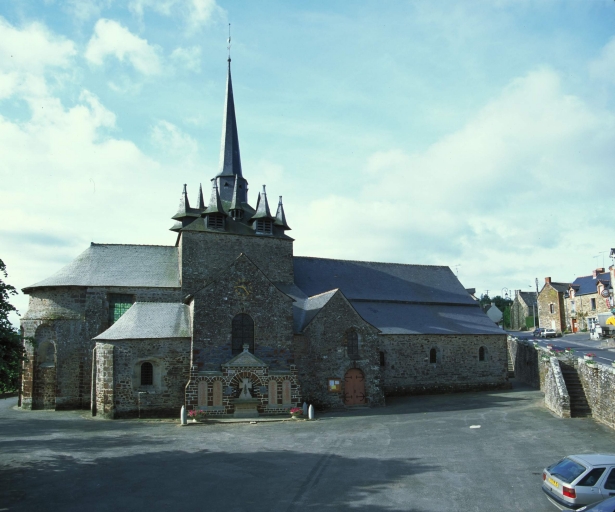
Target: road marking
474,426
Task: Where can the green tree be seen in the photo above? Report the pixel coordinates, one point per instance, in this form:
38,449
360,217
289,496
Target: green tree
11,350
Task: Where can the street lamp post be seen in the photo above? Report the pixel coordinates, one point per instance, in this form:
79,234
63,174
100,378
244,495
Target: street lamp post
504,295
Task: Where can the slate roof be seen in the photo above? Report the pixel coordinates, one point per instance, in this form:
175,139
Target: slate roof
530,298
560,287
369,280
305,311
400,318
151,320
395,298
587,284
119,265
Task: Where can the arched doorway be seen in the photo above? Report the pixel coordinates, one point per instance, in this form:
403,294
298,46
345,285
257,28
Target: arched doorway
354,387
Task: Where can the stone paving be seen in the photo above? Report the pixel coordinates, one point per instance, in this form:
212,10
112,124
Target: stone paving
459,452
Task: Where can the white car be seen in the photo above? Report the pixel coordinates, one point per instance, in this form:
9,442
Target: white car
548,333
579,480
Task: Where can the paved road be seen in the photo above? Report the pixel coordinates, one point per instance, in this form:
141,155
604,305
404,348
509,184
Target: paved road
580,342
417,454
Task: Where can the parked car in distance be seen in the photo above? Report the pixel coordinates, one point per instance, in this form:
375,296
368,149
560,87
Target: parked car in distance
538,331
601,506
548,333
579,480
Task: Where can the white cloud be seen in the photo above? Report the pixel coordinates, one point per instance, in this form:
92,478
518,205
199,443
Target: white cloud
33,48
84,10
171,141
112,39
196,13
505,187
603,67
189,58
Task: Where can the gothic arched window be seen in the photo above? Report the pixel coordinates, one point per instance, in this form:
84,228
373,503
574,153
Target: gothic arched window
352,344
481,354
147,374
242,333
433,356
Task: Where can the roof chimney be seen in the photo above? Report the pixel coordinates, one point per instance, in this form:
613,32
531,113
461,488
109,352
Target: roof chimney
596,272
547,280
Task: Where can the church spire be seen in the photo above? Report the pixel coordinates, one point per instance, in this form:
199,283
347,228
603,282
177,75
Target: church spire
200,203
280,216
262,207
185,215
215,205
230,159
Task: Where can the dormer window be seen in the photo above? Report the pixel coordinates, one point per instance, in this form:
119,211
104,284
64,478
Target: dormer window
215,221
263,227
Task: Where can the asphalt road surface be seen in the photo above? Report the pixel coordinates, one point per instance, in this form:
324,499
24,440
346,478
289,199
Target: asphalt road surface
580,342
469,452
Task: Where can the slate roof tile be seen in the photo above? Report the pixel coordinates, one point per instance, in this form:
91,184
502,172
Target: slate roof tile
119,265
150,320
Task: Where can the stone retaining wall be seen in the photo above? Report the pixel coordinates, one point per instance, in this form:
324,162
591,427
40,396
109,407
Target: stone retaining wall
598,381
599,385
556,394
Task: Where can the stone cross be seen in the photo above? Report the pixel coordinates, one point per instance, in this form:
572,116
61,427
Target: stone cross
311,412
246,384
183,417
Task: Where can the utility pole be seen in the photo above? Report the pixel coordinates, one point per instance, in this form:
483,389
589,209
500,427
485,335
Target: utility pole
536,286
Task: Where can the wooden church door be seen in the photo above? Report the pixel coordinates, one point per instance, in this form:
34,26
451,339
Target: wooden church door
354,387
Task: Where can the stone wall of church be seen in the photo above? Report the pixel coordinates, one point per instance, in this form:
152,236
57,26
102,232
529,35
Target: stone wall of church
202,255
321,354
242,288
215,391
68,318
170,359
408,370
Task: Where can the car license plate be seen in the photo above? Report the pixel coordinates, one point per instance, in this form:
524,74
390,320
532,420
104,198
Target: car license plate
553,483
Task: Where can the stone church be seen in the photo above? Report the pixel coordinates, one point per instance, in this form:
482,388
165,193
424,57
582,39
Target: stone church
230,321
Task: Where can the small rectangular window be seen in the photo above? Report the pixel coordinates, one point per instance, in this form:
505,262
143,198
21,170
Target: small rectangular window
593,301
551,308
118,305
335,386
381,358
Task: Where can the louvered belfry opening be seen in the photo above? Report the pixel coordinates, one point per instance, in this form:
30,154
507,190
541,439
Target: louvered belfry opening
243,333
215,221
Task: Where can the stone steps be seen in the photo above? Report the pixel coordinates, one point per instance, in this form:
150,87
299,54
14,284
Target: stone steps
579,408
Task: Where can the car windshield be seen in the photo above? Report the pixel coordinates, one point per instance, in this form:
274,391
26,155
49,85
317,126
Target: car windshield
566,470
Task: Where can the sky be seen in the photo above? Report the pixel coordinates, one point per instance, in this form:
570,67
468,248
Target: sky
478,134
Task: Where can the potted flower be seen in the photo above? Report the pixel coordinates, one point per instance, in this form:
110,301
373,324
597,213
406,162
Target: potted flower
590,362
569,350
196,415
296,413
589,356
550,346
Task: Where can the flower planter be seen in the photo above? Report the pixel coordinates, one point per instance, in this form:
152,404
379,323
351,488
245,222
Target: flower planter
588,358
297,416
613,364
550,347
